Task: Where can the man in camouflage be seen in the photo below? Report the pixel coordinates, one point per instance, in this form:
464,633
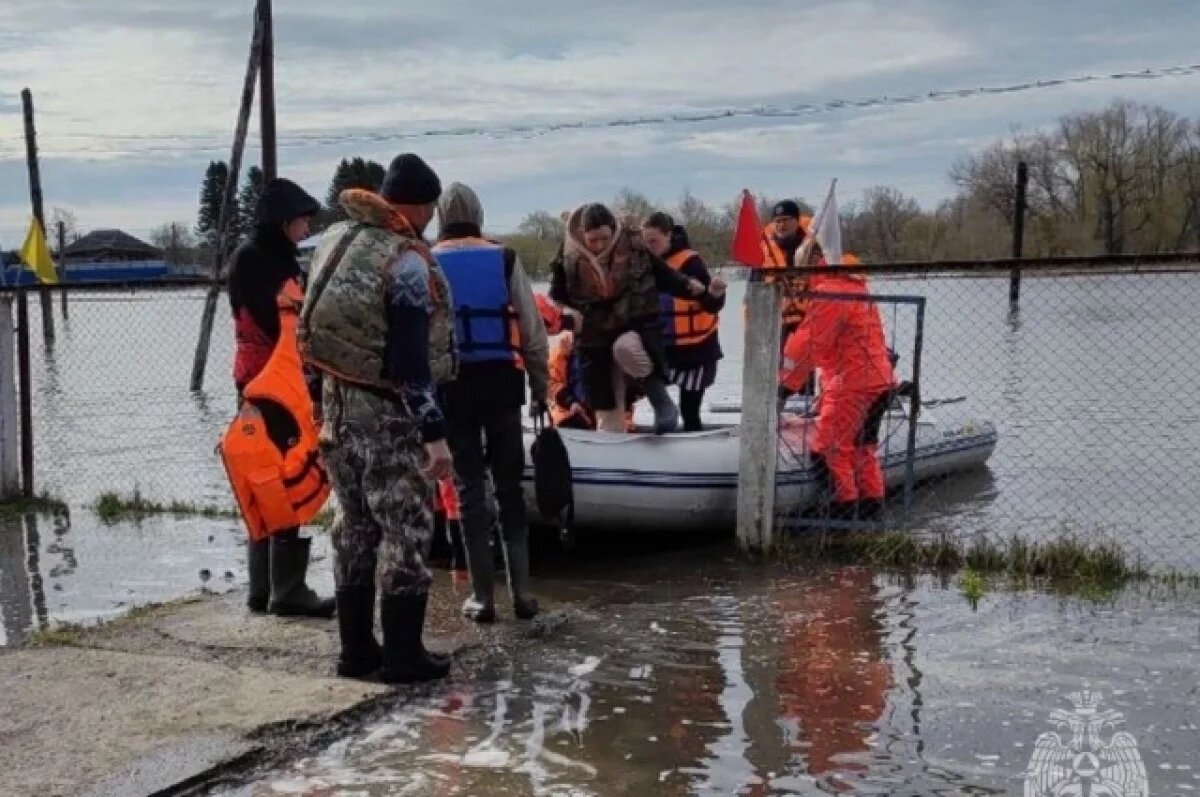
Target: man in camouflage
383,435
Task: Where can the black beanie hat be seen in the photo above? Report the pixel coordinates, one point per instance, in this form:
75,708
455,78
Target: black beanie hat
786,208
410,181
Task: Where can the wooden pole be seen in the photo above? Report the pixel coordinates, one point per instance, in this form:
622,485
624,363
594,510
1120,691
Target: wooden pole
25,381
266,97
226,216
1014,282
10,430
35,199
62,265
759,449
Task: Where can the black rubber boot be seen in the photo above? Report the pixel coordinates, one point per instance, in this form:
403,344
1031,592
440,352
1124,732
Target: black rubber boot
361,655
481,606
666,414
843,510
258,563
405,659
290,596
516,556
870,509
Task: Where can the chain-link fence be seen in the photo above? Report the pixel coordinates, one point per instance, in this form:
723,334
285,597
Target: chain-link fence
111,407
1071,419
1074,415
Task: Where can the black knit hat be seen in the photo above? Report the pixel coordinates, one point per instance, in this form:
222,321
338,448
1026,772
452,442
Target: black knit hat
786,208
410,181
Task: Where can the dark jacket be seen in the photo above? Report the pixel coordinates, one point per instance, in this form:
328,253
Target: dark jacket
257,271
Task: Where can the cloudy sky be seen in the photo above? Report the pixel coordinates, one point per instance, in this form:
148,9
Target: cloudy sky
134,97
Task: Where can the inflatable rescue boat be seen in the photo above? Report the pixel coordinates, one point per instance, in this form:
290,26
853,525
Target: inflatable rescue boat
686,481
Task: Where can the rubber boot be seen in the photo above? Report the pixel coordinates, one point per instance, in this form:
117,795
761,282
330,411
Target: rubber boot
290,596
843,510
481,605
361,655
258,563
405,659
516,556
666,414
870,509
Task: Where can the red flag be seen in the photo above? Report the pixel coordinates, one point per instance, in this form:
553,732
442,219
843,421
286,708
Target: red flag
747,237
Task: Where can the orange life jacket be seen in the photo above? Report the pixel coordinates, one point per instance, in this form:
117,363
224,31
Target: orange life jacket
684,321
773,257
276,490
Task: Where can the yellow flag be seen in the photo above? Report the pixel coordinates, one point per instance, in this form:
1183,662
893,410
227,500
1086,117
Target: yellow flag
36,255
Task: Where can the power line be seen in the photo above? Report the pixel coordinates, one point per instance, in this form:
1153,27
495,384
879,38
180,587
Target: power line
179,143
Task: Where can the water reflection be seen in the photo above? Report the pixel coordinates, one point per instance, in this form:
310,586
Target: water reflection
22,589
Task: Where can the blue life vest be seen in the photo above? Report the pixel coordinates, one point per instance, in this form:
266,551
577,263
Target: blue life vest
484,320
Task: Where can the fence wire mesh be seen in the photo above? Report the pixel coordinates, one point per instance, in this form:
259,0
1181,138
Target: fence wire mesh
1090,389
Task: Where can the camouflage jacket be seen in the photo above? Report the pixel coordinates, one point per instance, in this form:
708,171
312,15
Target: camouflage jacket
344,323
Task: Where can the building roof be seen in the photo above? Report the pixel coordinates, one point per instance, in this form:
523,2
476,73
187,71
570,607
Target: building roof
111,244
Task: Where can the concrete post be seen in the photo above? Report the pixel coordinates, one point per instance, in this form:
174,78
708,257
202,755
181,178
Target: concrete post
759,449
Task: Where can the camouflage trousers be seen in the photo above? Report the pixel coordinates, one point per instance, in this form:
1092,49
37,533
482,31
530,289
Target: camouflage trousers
373,453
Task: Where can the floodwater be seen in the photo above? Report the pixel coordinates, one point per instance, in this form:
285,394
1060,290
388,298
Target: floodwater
1092,387
687,673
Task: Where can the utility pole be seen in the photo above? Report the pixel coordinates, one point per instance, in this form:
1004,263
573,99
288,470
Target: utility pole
35,199
1014,283
266,97
62,265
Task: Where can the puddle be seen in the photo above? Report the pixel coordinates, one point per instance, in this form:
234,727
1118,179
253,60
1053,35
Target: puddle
697,676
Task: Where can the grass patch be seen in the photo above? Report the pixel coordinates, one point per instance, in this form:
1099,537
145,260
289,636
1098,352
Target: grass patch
61,637
44,504
973,587
113,507
1066,563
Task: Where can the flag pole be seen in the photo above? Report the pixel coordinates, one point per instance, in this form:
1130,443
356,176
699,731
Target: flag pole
804,253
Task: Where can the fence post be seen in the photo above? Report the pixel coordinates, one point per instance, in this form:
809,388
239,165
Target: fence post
759,449
26,386
1014,284
62,265
35,199
10,434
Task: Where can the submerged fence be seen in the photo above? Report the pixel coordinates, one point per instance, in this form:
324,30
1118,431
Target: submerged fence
1074,415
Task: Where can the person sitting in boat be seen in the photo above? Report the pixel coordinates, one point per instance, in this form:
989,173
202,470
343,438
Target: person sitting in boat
844,340
259,271
608,276
567,402
690,331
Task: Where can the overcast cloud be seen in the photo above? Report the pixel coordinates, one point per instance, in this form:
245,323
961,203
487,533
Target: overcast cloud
134,97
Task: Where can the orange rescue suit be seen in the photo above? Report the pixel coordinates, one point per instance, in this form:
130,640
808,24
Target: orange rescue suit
277,486
844,340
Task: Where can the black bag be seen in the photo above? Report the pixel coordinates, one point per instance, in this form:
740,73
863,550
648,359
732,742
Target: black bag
552,475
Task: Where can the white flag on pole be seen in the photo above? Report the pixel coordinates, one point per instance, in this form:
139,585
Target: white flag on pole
827,228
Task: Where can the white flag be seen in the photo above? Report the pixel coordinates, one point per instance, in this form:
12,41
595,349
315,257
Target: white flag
827,228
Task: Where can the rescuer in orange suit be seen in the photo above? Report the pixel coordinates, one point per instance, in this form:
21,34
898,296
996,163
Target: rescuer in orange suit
781,237
844,340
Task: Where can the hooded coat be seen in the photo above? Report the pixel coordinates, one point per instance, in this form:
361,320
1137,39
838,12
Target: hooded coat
257,272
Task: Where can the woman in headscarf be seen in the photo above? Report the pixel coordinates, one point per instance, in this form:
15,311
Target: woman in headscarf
610,278
690,329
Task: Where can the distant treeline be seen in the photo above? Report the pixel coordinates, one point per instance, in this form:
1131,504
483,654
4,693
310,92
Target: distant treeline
1124,179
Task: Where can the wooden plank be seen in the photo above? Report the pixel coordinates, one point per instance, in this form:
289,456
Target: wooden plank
759,448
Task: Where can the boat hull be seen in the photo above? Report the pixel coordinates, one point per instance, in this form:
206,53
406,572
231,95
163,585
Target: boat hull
688,481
